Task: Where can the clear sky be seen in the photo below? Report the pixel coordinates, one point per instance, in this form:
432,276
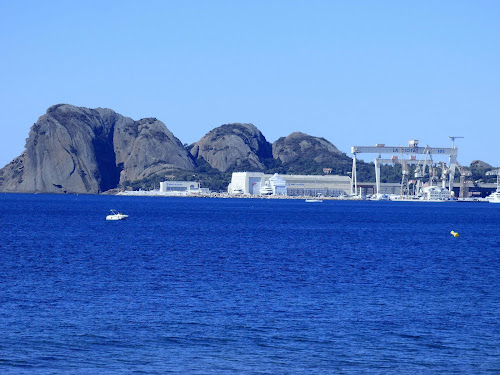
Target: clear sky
353,72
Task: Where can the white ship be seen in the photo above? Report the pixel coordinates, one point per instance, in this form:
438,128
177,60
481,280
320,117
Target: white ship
494,197
266,189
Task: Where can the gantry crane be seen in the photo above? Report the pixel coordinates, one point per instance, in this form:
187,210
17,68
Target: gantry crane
413,149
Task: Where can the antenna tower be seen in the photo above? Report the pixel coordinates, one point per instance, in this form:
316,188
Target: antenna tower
453,140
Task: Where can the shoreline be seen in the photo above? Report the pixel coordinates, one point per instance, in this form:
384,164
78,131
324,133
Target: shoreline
248,196
287,197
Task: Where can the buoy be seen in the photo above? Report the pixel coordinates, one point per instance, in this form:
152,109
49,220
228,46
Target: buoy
454,234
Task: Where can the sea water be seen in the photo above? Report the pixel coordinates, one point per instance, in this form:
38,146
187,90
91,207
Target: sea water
247,286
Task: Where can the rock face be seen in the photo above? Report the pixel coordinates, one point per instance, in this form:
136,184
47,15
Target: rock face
81,150
233,145
300,146
480,164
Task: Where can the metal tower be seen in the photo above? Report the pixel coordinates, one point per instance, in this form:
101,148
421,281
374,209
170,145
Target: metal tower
464,182
453,140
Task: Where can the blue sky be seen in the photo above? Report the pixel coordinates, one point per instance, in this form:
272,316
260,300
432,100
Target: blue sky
353,72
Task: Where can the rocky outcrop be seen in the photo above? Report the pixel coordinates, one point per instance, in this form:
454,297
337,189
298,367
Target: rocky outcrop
480,164
146,147
82,150
300,146
233,145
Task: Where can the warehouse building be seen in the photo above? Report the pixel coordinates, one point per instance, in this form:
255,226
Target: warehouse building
166,186
182,187
258,183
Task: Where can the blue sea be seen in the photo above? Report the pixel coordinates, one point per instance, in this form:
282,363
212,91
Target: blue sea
247,286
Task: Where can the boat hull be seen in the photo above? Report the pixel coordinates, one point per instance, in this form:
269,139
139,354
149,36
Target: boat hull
116,217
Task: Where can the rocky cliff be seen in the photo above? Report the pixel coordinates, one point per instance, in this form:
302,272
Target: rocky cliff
82,150
233,145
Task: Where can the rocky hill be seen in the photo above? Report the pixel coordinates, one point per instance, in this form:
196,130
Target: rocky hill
480,164
240,146
82,150
308,154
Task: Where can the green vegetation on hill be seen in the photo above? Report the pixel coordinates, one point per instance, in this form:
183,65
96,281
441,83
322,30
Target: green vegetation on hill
479,174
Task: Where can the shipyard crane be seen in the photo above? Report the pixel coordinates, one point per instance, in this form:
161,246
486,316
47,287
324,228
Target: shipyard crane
419,176
421,170
464,182
404,178
413,150
445,172
433,176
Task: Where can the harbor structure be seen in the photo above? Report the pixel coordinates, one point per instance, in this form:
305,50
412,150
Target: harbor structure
413,155
258,183
433,193
178,186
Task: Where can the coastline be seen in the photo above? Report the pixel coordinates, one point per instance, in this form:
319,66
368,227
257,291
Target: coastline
156,193
248,196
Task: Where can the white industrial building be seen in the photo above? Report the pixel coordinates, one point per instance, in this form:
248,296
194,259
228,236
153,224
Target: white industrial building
258,183
191,187
178,186
432,193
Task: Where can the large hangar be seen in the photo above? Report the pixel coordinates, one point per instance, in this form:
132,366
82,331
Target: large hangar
258,183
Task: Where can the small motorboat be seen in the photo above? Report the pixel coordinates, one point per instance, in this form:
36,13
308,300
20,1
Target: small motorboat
314,200
116,216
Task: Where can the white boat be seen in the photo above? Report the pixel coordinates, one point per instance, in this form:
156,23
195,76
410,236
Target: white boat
494,197
116,216
380,197
317,195
266,189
